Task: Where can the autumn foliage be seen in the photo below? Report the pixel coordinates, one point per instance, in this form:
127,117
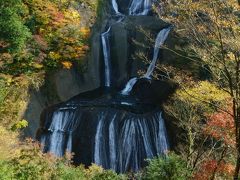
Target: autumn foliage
52,34
220,125
209,167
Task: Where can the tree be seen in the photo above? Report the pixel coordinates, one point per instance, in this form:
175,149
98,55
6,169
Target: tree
211,28
13,32
172,167
200,136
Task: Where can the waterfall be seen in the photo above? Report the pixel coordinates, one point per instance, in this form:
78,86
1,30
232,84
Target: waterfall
161,140
115,7
106,54
138,137
59,138
161,38
129,86
140,7
107,130
112,142
137,7
106,47
99,151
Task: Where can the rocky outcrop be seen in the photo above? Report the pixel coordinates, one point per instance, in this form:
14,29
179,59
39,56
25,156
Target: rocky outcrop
59,86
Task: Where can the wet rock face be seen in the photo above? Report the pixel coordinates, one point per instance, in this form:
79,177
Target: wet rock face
153,91
123,6
60,86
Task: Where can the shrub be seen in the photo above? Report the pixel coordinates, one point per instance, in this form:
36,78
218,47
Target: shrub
69,172
171,167
8,143
6,171
95,172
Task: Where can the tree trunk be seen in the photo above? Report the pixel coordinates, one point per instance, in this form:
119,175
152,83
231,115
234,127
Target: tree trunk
237,168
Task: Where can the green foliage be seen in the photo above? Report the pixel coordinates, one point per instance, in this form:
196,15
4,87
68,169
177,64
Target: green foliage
6,171
95,172
171,167
19,125
14,97
30,163
3,91
70,172
13,32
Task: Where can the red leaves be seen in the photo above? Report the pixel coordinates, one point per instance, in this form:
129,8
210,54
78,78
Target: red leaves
220,125
41,42
208,167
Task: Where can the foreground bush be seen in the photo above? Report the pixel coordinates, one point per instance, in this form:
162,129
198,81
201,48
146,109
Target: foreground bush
171,167
29,163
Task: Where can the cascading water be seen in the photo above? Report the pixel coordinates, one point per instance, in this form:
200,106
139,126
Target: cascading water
161,38
106,54
110,130
115,7
140,7
129,86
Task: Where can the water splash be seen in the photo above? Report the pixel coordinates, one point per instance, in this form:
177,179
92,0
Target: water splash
99,151
129,86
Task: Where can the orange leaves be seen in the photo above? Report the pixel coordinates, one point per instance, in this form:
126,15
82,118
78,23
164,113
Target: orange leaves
220,125
58,19
67,64
85,32
40,41
208,167
59,35
3,44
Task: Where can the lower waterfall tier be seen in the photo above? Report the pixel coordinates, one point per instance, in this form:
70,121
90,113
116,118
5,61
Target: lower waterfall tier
104,131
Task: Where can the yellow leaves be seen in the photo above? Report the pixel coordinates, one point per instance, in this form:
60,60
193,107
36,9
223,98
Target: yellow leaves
5,58
54,55
37,66
58,29
93,170
202,93
85,31
231,56
20,125
72,15
67,64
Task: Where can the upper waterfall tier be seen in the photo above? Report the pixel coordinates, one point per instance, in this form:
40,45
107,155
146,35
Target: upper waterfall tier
132,7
